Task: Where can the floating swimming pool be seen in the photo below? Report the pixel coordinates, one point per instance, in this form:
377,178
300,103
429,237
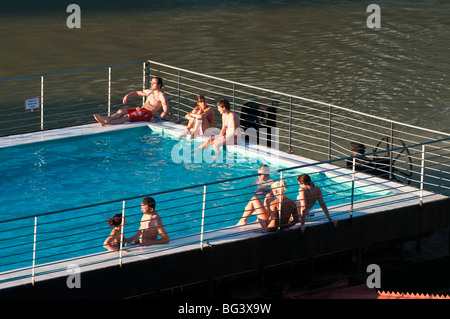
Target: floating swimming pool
58,175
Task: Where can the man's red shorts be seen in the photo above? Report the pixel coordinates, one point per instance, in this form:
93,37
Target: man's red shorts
139,114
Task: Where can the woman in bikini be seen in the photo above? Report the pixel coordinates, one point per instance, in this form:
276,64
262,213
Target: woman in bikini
112,243
230,133
200,118
307,197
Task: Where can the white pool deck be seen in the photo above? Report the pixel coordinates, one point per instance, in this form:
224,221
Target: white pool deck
401,196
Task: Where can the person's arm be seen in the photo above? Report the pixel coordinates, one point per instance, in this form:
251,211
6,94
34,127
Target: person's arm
223,131
135,93
110,239
165,106
162,232
294,216
202,115
132,238
325,209
192,114
301,209
164,236
232,128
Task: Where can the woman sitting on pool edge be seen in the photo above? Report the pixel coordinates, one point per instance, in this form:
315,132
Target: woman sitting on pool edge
200,118
230,132
282,212
259,203
307,197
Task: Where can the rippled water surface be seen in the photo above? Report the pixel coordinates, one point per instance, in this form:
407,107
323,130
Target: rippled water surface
316,49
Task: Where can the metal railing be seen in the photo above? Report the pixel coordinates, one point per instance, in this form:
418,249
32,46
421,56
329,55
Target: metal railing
66,98
194,216
314,129
409,155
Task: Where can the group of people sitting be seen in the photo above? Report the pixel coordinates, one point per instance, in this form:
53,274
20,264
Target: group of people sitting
150,227
273,209
201,118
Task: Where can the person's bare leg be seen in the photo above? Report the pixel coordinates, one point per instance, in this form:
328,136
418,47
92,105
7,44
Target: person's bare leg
217,144
207,142
184,133
249,209
188,128
254,206
190,124
120,120
117,115
100,119
197,125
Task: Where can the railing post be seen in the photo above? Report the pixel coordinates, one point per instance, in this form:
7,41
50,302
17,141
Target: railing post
279,201
391,152
179,96
33,271
109,91
330,117
234,95
353,186
121,233
203,217
290,125
422,172
143,80
148,74
42,103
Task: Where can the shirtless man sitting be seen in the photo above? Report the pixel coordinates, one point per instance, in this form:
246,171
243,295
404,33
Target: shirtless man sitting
156,100
230,132
151,226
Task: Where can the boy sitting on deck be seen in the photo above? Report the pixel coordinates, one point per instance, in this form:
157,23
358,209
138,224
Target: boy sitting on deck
151,226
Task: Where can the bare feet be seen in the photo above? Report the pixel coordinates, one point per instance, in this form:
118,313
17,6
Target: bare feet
100,119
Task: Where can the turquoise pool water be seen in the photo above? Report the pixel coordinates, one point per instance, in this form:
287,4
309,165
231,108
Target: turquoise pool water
44,177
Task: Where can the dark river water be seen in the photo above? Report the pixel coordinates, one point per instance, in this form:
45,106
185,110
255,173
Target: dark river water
322,50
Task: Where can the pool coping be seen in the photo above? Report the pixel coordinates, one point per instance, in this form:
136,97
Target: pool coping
406,194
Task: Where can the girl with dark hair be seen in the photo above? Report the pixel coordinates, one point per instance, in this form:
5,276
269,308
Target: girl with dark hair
308,194
112,243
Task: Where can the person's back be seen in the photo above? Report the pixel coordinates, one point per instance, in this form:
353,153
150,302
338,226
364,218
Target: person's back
282,214
310,195
307,197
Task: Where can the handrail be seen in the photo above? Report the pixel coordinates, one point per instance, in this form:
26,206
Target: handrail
295,96
317,164
427,156
69,72
222,181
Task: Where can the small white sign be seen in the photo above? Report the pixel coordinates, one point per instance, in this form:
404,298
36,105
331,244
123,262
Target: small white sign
32,103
